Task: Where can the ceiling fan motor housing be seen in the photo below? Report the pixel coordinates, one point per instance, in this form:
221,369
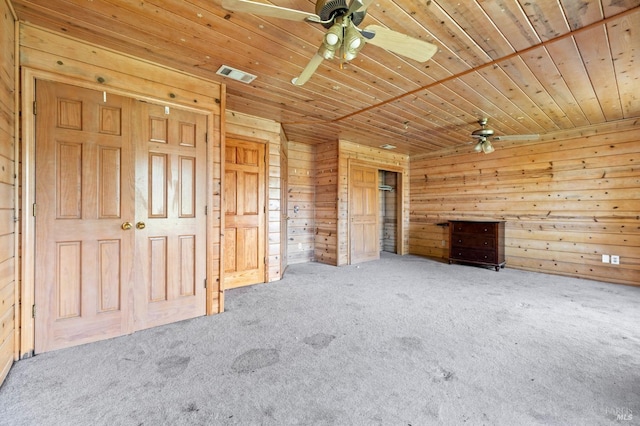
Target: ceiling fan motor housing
484,132
326,9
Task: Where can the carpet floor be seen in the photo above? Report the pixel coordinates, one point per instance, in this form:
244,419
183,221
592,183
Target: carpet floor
399,341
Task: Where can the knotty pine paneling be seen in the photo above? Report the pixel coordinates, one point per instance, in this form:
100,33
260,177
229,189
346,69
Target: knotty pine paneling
8,246
326,205
531,67
566,201
383,160
267,131
301,203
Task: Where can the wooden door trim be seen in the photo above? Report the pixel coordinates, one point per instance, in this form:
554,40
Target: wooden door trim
27,132
211,172
402,175
266,201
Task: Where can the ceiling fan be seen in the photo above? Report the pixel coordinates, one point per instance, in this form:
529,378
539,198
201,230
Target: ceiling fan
484,134
343,38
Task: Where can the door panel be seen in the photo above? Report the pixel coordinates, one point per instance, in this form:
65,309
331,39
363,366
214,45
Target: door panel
363,208
170,214
83,256
244,191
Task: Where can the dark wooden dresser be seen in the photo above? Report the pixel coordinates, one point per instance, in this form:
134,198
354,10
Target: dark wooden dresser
480,243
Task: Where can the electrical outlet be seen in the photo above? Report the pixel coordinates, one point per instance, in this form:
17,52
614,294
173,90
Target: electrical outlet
615,260
605,258
299,246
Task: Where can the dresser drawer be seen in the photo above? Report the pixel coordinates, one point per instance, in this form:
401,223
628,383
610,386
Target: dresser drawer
475,241
474,227
472,255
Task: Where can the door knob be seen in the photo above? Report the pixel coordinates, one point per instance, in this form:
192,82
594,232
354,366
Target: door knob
126,226
140,225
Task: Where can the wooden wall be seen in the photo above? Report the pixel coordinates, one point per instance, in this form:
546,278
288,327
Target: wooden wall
384,160
326,214
8,243
284,202
50,55
301,195
567,200
267,131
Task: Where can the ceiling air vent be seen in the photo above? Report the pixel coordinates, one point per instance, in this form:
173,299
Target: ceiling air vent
388,146
235,74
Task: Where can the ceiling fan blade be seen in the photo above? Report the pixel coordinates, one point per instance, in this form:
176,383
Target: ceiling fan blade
401,44
365,5
531,137
308,71
354,6
269,10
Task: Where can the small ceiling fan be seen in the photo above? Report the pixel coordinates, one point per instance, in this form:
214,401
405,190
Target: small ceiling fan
484,134
343,38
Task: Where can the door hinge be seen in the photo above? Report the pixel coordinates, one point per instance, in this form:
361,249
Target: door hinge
264,259
206,210
206,137
205,283
33,311
34,209
35,109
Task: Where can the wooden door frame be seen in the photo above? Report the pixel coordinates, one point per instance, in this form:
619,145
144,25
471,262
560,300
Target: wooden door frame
284,208
28,144
402,172
223,201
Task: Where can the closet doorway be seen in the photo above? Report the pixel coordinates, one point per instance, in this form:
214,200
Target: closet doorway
389,211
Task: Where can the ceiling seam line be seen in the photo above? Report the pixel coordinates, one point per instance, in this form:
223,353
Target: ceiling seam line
492,63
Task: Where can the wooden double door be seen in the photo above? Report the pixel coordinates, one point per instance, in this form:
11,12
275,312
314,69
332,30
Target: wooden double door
120,227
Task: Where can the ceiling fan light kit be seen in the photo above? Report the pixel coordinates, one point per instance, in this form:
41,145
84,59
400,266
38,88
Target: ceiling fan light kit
343,35
485,146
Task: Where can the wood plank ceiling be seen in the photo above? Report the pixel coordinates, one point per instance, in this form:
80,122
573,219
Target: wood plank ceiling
531,67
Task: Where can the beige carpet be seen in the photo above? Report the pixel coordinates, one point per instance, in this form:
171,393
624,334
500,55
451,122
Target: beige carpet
399,341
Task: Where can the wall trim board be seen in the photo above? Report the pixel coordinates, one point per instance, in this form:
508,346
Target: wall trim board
89,62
